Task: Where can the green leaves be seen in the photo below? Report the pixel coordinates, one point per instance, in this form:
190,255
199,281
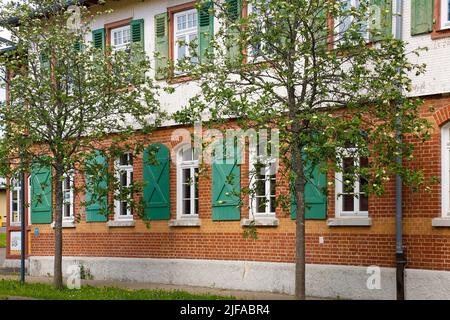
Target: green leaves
70,92
316,78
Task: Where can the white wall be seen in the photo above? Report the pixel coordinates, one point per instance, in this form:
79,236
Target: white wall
147,10
437,77
434,81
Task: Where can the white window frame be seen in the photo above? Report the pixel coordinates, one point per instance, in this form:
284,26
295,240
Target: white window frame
183,33
117,204
123,45
71,216
270,162
445,170
338,20
339,188
182,165
444,14
15,187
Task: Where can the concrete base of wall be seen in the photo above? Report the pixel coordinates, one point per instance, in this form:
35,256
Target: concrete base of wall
330,281
13,264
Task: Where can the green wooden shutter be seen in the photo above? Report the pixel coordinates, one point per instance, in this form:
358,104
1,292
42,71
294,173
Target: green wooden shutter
206,29
226,185
156,178
96,206
44,60
234,11
99,39
161,46
78,46
41,195
385,29
137,32
315,199
421,16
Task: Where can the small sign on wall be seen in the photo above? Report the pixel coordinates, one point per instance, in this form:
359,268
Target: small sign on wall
16,241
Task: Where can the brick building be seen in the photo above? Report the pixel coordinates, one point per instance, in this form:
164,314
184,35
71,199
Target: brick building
194,240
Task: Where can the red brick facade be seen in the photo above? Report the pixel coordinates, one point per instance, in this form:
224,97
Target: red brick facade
426,247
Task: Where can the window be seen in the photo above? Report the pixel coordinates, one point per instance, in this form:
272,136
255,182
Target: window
124,175
262,183
350,197
68,195
445,14
120,38
15,190
187,183
445,181
185,34
342,24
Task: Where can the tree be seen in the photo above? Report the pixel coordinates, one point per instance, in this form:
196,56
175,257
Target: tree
70,100
328,76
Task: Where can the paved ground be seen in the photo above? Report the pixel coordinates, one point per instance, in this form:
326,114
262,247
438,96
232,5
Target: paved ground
244,295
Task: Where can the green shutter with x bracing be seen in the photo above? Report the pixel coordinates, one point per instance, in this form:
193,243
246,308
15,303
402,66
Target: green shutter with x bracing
41,195
315,195
156,178
226,187
96,187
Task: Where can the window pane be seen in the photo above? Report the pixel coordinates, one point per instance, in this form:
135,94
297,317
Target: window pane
67,183
181,22
186,191
196,206
67,210
348,202
126,159
123,179
186,206
260,205
123,208
273,185
187,176
196,182
260,187
363,203
272,204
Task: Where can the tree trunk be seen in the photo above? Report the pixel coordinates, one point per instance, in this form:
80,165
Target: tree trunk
58,279
299,183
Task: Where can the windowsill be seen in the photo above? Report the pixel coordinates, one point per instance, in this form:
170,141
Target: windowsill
185,222
15,224
260,222
121,223
180,78
65,225
441,33
349,222
440,222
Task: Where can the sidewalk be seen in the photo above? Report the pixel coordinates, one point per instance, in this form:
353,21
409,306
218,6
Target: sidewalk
242,295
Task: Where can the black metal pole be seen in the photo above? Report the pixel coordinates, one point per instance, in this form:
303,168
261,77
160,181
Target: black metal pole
22,229
400,257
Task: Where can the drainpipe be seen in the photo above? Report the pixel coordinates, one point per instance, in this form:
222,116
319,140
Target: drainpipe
400,257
